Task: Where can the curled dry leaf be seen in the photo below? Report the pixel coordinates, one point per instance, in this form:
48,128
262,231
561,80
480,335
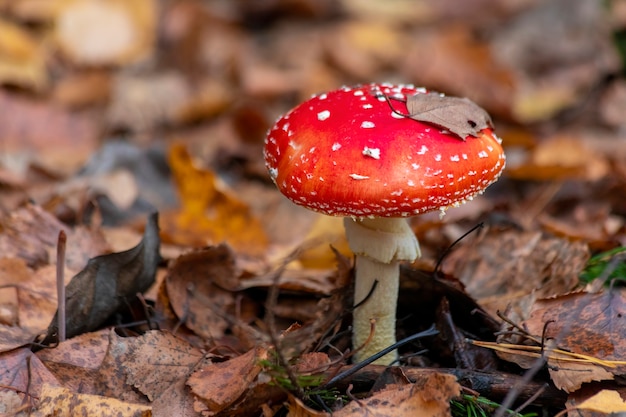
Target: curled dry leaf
461,116
107,281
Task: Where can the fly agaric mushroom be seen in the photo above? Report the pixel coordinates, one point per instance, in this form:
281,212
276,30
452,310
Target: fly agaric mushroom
355,152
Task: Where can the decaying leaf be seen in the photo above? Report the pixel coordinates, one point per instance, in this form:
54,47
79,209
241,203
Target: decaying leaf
23,372
461,116
429,397
500,267
200,287
218,385
583,323
62,402
76,363
107,282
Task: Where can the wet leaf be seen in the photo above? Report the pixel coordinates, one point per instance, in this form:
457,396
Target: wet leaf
461,116
107,282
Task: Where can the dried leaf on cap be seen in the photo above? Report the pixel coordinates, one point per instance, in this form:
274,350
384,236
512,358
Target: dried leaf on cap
461,116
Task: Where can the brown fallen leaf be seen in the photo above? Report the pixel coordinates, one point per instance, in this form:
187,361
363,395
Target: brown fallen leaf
428,397
24,373
157,361
583,323
107,282
499,267
219,385
199,285
461,116
297,408
62,402
152,368
76,363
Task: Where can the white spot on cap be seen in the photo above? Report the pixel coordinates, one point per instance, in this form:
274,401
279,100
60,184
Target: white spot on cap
286,127
372,152
358,177
438,157
422,150
483,154
367,106
455,158
359,93
323,96
397,115
367,125
323,115
336,146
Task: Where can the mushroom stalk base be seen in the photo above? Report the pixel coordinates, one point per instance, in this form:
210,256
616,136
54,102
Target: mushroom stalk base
380,244
379,308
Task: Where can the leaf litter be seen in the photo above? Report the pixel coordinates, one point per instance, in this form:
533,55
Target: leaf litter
248,283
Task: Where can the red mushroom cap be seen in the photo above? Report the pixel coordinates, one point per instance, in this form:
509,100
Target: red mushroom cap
347,153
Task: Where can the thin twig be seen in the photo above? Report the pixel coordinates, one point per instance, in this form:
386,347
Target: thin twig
61,244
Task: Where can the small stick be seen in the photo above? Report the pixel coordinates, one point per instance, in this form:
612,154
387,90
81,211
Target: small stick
61,243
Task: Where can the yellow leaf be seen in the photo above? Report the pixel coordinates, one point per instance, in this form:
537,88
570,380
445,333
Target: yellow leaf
61,402
210,212
605,401
21,58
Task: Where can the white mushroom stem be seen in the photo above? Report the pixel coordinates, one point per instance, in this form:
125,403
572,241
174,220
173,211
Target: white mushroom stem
380,244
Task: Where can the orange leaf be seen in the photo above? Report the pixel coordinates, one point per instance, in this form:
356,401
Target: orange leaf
210,213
